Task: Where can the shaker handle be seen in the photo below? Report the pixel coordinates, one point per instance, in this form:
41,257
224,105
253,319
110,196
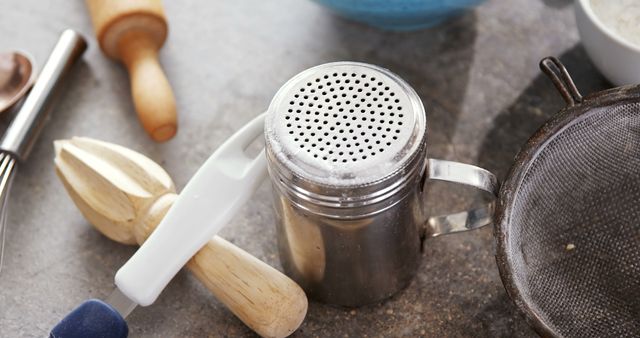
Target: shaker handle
468,175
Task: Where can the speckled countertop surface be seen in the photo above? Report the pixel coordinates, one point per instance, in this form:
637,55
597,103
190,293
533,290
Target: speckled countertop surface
477,76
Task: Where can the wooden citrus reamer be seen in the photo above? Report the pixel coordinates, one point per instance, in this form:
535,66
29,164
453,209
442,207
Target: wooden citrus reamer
125,195
132,32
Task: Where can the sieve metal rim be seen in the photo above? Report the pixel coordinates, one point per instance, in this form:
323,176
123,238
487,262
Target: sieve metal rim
508,192
360,194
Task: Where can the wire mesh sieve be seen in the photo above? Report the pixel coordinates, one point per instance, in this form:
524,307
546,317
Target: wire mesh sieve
568,227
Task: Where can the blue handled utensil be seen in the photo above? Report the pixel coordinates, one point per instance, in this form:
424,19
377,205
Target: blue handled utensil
97,319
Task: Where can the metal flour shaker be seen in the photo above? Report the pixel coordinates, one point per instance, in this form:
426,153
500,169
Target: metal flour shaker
346,151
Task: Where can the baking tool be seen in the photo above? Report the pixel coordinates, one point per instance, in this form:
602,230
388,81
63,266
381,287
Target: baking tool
214,194
616,58
346,146
568,229
17,75
125,195
400,15
132,32
18,139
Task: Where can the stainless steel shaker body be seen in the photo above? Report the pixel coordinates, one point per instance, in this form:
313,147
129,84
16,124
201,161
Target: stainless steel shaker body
346,152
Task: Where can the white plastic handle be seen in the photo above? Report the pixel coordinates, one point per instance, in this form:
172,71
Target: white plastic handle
208,202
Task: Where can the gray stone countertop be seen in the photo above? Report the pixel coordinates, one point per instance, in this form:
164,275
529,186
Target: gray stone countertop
477,75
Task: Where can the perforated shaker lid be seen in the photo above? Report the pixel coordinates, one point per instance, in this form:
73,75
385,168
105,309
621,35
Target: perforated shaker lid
345,125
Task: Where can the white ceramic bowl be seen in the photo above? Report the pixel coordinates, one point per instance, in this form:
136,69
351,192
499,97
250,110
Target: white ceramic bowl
617,59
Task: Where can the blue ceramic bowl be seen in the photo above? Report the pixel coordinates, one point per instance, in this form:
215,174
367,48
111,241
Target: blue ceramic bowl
399,14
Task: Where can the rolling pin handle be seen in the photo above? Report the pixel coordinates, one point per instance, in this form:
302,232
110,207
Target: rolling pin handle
152,94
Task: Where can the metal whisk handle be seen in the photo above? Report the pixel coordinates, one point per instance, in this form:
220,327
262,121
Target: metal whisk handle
27,124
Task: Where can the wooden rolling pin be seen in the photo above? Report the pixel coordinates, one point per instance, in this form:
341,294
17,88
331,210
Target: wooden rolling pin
125,195
132,32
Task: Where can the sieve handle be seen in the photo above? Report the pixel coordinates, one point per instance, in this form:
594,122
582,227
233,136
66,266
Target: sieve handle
466,174
560,77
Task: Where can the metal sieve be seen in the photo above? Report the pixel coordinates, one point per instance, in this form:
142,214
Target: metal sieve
568,217
346,149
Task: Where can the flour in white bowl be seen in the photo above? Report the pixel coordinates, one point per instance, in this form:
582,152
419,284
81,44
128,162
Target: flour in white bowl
620,16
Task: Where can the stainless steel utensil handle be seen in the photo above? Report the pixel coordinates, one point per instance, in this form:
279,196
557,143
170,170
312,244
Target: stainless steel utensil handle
468,175
26,125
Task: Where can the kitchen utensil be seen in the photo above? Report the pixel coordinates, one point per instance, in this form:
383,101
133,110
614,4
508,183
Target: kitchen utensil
567,226
132,32
18,139
616,58
125,195
214,194
346,145
401,14
17,75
